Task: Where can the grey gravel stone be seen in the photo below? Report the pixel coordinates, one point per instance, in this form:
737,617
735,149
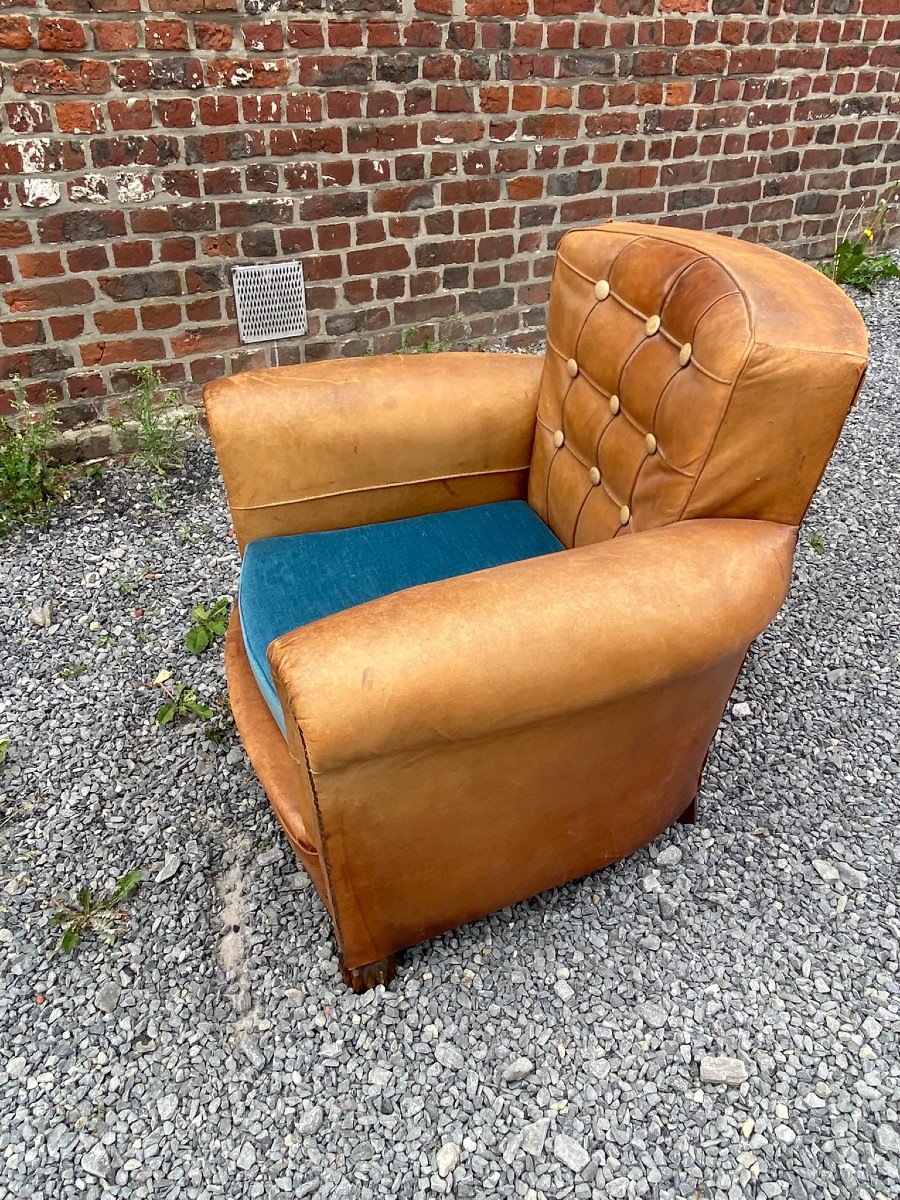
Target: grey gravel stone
725,1070
246,1157
518,1069
851,876
749,952
447,1159
106,998
96,1162
17,1068
449,1056
741,710
42,616
310,1121
826,870
171,863
570,1153
534,1135
653,1014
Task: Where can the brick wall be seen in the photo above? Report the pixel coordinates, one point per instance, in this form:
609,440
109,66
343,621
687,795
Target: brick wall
422,157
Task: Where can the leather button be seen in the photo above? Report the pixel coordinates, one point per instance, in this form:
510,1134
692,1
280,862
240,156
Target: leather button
614,405
601,289
559,439
684,354
624,514
572,367
652,325
650,443
594,475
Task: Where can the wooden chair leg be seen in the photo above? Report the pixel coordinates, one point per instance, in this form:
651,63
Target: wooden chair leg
689,816
368,976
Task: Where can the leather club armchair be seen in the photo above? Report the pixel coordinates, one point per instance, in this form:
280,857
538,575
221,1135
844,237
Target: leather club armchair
492,607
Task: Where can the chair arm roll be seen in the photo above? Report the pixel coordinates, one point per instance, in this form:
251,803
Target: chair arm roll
531,641
353,441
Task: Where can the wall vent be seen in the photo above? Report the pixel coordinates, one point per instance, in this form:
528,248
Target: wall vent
270,301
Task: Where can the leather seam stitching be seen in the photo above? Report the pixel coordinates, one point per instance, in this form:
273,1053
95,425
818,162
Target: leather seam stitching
323,857
588,315
376,487
751,346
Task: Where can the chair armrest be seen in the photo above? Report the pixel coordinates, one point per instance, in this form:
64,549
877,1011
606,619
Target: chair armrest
520,644
354,441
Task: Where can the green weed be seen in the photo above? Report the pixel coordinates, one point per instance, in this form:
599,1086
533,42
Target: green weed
852,260
156,428
72,670
209,625
31,483
182,704
95,914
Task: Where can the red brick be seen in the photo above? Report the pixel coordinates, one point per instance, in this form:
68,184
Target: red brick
60,35
212,36
127,350
453,99
305,35
700,62
15,33
53,76
49,295
246,72
165,35
78,116
130,114
176,114
65,329
437,132
21,333
264,36
14,233
115,35
161,316
39,266
115,320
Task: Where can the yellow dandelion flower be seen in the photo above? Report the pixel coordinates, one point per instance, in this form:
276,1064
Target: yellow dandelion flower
869,234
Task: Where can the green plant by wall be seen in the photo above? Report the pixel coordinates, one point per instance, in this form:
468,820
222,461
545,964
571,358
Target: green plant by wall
417,340
98,914
209,625
853,260
31,483
155,428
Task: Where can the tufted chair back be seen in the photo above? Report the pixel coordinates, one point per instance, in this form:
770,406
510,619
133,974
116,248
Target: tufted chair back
686,375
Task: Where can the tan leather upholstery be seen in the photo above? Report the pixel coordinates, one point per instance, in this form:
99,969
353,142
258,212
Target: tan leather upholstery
456,747
739,364
335,444
601,622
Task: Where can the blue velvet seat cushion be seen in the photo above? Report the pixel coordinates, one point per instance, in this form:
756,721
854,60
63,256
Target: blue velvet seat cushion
287,582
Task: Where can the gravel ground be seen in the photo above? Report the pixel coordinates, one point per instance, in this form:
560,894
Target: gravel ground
556,1049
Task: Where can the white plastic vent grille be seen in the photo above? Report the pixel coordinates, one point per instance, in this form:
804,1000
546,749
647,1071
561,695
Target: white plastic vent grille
270,301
